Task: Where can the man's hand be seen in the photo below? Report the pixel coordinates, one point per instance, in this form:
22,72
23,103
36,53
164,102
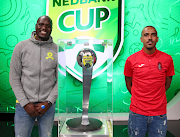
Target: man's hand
40,110
30,108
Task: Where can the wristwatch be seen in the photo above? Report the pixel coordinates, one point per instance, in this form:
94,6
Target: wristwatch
50,104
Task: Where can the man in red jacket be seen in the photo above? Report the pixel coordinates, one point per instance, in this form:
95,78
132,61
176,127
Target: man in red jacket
148,74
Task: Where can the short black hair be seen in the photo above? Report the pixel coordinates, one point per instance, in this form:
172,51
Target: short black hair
146,27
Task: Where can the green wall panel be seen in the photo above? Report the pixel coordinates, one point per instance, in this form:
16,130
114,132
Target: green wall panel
18,19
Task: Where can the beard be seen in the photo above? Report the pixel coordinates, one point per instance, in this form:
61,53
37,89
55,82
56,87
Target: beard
149,48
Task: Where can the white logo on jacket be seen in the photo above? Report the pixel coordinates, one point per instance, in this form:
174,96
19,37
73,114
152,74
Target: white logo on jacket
141,65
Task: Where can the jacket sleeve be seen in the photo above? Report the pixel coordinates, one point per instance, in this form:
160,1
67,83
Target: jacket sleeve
15,76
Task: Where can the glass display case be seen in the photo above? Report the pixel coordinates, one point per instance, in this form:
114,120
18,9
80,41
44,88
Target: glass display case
85,96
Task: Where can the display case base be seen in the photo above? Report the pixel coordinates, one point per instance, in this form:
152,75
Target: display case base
75,124
102,132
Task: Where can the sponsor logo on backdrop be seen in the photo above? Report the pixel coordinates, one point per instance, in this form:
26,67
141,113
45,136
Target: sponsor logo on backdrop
87,19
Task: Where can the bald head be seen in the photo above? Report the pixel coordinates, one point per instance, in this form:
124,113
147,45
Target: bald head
45,17
43,28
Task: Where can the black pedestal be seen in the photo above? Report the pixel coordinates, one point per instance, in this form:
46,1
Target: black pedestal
75,124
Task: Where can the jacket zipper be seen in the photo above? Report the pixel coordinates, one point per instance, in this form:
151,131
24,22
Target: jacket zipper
39,73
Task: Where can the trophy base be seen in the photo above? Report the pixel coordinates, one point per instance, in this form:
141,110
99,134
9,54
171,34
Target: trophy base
75,124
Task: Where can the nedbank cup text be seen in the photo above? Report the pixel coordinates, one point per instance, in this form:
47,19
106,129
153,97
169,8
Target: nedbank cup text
74,2
95,18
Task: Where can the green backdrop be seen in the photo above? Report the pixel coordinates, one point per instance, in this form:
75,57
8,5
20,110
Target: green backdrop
18,19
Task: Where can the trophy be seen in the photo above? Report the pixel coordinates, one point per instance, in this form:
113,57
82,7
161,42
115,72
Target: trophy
86,58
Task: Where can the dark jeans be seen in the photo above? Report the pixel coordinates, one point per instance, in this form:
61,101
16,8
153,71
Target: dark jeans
138,125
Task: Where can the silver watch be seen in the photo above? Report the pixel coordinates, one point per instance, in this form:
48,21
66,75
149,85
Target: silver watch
50,104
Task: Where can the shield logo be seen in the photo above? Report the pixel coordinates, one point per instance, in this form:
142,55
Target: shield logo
159,66
87,19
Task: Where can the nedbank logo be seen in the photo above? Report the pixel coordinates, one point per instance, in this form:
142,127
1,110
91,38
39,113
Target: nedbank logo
96,16
87,19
